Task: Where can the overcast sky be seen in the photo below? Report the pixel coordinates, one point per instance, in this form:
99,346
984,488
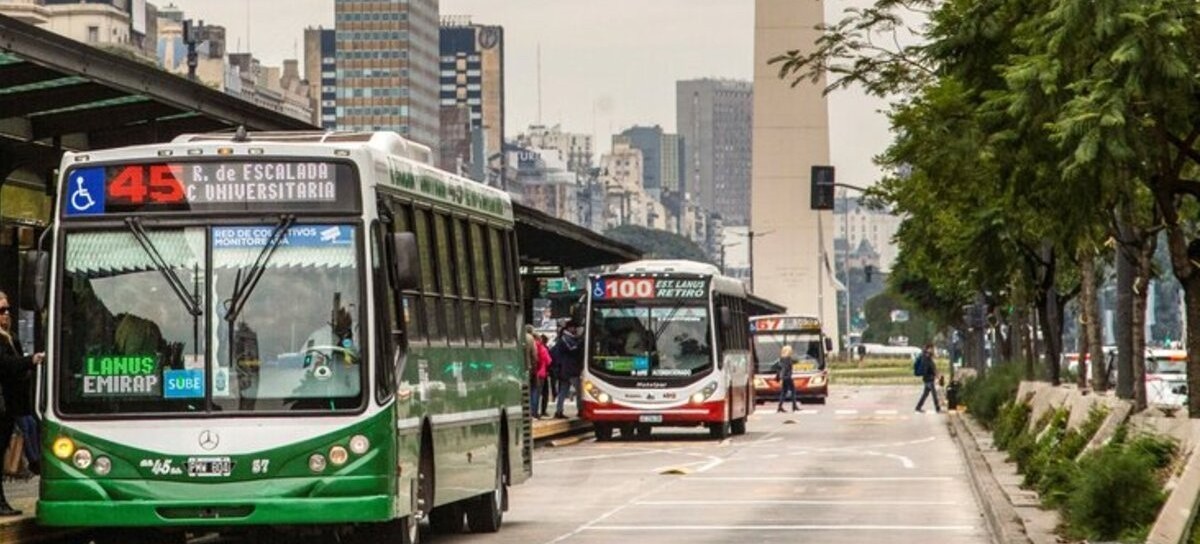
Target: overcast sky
605,64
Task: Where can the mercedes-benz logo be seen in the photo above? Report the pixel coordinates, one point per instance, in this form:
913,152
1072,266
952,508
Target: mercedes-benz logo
209,440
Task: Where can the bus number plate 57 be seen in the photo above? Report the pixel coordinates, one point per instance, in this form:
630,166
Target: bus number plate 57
209,467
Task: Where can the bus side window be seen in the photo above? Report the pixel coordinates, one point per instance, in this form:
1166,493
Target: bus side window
429,300
411,303
483,288
470,307
445,266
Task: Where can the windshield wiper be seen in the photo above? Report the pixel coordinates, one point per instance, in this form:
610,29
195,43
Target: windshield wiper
242,290
191,302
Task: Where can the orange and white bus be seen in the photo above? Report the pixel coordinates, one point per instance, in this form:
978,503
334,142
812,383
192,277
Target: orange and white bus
810,349
666,345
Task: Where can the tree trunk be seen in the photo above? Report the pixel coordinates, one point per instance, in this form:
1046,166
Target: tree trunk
1141,293
1081,355
1052,314
1002,345
1017,335
1031,333
1090,306
1191,294
1126,272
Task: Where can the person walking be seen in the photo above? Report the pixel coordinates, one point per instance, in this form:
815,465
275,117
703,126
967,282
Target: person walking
783,373
926,368
568,357
16,379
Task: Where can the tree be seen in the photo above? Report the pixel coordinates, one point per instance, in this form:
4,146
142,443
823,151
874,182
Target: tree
658,244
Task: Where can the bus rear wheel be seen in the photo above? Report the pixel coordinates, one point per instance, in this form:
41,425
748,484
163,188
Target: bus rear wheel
447,519
719,430
485,513
738,426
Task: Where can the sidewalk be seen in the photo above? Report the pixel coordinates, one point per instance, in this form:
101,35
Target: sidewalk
549,428
1018,514
22,494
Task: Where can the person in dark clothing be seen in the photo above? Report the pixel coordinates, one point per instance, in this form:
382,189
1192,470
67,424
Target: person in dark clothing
568,357
927,369
783,373
16,378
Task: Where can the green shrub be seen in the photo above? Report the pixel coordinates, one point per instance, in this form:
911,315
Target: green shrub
1045,449
985,396
1117,490
1012,421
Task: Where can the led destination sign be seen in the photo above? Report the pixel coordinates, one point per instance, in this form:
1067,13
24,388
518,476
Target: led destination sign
648,288
210,186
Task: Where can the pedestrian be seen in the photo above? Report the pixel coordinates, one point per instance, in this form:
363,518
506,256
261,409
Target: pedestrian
531,365
546,371
783,373
568,355
926,368
16,388
543,369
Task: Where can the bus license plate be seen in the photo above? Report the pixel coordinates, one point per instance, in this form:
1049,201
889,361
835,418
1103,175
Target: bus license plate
208,467
650,418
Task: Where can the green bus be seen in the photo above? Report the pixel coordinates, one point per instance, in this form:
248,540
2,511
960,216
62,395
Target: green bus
300,330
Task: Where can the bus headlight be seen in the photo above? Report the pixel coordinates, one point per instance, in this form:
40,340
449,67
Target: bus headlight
63,448
816,381
703,394
359,444
103,466
603,398
82,459
338,456
316,462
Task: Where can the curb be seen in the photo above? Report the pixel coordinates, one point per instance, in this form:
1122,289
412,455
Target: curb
552,431
1003,522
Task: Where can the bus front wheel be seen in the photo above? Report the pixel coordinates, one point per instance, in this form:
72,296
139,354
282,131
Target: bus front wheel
604,431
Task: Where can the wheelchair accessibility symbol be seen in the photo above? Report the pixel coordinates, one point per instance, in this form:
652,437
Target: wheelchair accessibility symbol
87,192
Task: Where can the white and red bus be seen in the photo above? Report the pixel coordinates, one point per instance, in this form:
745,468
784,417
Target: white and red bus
810,347
667,345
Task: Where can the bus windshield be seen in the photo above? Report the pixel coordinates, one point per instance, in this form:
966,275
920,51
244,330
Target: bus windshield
806,350
658,341
130,344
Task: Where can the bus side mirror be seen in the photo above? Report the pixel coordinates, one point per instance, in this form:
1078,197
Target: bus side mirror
35,278
828,345
405,261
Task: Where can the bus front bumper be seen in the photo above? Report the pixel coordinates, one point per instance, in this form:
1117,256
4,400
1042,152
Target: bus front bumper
688,414
73,503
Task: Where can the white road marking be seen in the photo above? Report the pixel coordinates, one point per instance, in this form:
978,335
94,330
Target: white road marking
930,528
822,478
886,412
794,503
846,412
604,456
809,412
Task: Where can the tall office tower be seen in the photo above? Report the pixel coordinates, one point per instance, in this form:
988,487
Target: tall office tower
387,67
472,75
661,159
320,69
792,243
714,117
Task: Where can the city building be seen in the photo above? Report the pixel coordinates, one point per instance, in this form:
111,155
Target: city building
714,118
276,88
877,227
542,181
387,67
574,148
471,75
626,200
662,158
320,69
791,135
122,26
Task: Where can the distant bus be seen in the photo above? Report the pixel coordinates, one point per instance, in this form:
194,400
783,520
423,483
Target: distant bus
810,350
290,329
666,345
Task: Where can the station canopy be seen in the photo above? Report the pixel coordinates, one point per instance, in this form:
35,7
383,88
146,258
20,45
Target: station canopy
57,94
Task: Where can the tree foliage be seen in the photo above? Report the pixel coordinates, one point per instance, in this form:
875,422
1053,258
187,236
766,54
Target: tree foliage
658,244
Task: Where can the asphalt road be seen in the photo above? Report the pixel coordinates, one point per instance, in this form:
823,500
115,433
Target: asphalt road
863,468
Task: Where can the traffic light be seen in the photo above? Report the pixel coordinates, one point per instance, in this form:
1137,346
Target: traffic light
822,187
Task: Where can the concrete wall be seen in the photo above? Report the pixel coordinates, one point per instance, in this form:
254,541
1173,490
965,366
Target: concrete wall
791,135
